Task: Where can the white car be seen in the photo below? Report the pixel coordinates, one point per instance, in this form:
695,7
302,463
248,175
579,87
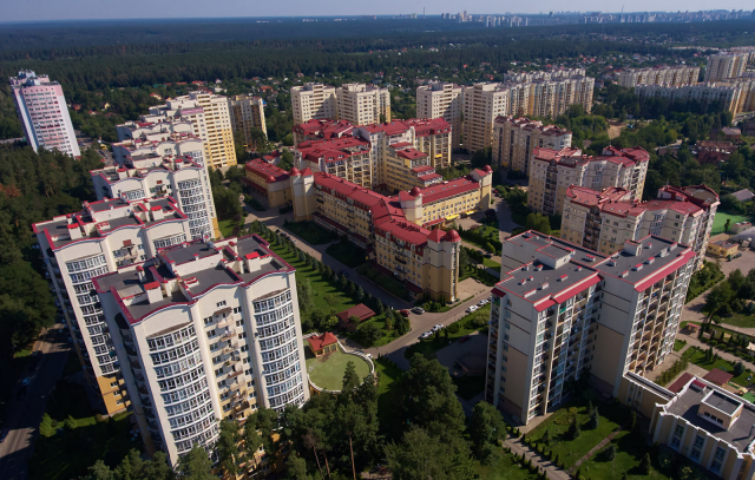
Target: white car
472,309
426,334
437,327
482,303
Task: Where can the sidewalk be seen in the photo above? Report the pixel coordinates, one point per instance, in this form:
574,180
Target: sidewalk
551,470
694,342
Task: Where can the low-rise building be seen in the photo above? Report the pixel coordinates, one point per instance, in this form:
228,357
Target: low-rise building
562,311
203,332
604,220
515,141
722,248
552,172
321,130
269,181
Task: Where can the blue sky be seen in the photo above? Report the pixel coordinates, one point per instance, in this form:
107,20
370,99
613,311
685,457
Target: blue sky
31,10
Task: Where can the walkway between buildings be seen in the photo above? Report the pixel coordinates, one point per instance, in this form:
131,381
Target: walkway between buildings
551,470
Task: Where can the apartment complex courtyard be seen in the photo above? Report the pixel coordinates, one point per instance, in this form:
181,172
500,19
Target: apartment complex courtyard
326,371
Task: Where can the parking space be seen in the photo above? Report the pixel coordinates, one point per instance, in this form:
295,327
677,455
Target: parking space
471,287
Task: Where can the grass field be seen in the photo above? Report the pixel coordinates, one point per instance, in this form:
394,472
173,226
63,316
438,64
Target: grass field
720,220
505,469
679,344
629,453
388,373
81,440
740,320
491,264
226,227
569,451
697,356
327,371
310,232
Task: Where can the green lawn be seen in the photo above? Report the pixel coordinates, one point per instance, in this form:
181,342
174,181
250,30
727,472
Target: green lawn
310,232
388,335
387,373
491,264
569,451
697,356
679,344
740,320
466,325
226,227
469,385
629,453
347,253
720,220
505,469
391,285
327,371
75,447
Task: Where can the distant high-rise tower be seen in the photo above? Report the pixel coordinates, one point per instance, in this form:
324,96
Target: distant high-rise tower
43,112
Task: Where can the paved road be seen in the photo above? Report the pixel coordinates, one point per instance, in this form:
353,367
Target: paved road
24,415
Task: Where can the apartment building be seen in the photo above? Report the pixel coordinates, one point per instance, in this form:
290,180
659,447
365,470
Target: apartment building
103,237
268,180
313,101
672,75
405,167
321,130
562,311
515,141
726,95
247,113
604,220
554,74
553,172
349,158
551,98
483,103
362,104
442,100
699,420
396,229
174,167
43,112
203,332
722,66
211,121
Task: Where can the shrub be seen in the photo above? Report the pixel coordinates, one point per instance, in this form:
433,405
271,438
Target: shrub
645,464
574,429
609,453
739,369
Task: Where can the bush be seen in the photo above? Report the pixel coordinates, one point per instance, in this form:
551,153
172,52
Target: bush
739,369
609,453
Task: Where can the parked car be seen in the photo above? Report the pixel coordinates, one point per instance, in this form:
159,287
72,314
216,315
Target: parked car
418,310
483,302
426,334
344,273
26,381
464,338
404,312
472,309
488,255
3,434
437,327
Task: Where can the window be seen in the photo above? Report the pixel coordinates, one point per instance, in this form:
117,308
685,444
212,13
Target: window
211,333
679,431
221,304
236,309
207,320
219,372
675,442
113,384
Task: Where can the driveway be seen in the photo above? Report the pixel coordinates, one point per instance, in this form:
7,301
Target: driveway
24,415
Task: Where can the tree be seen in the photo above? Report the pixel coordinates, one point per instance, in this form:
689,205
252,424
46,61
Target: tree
610,452
252,439
296,468
369,333
547,437
594,419
227,446
423,456
196,465
720,296
645,464
486,426
739,369
306,295
538,222
574,429
350,381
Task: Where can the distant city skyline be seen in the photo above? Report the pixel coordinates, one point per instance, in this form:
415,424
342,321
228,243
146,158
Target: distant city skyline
49,10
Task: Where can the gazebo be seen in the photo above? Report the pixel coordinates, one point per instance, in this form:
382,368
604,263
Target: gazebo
322,344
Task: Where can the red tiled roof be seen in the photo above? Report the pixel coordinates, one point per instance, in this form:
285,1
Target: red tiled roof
362,311
680,382
718,376
317,342
269,172
444,190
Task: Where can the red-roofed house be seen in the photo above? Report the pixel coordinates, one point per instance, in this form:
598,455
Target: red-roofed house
361,311
269,181
718,376
322,344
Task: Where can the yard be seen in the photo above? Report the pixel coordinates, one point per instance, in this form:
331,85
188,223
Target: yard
393,286
466,325
226,227
387,373
71,439
697,356
505,469
327,371
310,232
347,253
569,451
491,264
720,221
629,453
740,320
679,344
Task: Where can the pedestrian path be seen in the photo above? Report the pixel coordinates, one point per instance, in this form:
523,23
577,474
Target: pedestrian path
592,452
551,470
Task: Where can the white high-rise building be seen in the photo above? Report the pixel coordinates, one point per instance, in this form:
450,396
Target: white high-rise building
205,331
362,104
43,112
313,101
726,65
442,100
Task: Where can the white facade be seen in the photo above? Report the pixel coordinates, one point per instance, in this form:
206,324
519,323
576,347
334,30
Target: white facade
442,100
43,112
208,331
726,65
674,75
313,101
362,104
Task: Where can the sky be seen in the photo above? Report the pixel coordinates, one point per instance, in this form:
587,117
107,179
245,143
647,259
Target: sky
44,10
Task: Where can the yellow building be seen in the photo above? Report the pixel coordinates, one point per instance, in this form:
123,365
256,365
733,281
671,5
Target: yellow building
363,104
247,113
269,181
406,167
722,248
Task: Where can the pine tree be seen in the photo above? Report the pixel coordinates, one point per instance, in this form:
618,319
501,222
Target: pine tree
645,464
574,429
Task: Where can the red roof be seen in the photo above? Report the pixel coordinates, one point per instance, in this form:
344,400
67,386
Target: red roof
362,311
445,190
681,382
269,172
718,376
318,342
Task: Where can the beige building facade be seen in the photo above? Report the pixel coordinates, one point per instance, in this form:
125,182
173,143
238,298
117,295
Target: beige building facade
442,100
672,75
604,220
247,113
313,101
722,66
515,141
553,172
562,311
727,94
362,104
